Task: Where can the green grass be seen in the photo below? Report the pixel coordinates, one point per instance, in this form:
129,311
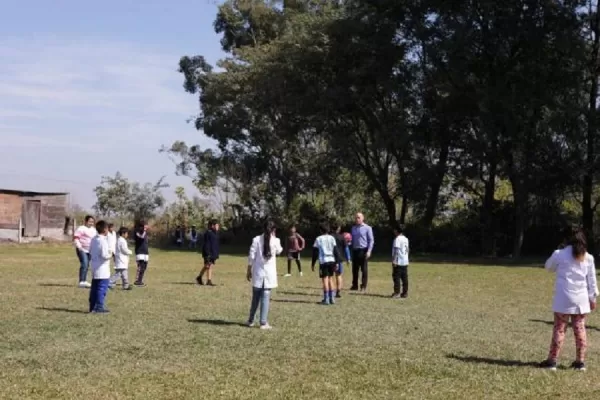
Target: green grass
465,332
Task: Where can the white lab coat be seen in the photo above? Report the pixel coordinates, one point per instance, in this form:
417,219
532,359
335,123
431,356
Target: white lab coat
122,254
575,283
264,272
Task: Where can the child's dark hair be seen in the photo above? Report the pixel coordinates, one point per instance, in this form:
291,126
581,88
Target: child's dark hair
111,225
141,224
398,228
324,228
123,230
212,223
87,218
101,226
269,228
577,241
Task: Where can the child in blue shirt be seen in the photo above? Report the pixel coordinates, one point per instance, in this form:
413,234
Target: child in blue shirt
325,250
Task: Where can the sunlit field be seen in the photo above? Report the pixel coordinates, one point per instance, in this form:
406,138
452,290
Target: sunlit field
466,331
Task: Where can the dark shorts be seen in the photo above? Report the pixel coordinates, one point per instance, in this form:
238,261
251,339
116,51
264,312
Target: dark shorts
327,269
209,261
293,255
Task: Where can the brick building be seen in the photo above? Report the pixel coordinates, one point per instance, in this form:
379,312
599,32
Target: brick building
32,215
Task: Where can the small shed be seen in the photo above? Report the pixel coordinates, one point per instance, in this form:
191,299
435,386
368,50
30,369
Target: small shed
33,215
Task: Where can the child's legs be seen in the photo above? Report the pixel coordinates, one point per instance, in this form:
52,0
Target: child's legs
93,294
115,277
256,294
298,263
289,265
142,266
558,335
265,299
102,289
326,283
404,278
84,262
578,322
396,278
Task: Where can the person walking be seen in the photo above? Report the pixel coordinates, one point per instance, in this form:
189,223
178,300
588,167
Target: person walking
362,246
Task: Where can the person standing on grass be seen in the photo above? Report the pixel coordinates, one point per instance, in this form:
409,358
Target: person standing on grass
142,256
343,250
295,244
100,255
262,272
362,246
193,237
210,252
121,257
326,252
112,240
400,251
179,236
82,238
575,293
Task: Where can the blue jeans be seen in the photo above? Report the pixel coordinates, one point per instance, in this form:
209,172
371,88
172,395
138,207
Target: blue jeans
262,296
84,264
98,294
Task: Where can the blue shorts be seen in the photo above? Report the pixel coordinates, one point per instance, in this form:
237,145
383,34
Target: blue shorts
340,269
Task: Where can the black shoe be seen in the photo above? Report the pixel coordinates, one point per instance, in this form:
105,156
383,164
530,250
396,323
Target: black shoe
209,283
338,295
548,364
578,366
354,288
363,288
199,280
128,287
404,295
140,284
395,296
102,311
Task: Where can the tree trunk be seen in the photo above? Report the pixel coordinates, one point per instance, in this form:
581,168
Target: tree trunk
404,209
487,212
590,163
435,186
390,206
520,198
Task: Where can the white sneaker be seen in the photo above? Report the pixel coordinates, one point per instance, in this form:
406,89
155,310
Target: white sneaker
250,324
84,285
287,275
301,273
266,327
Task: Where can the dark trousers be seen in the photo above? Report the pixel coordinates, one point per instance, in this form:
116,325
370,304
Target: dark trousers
360,263
141,271
400,274
98,294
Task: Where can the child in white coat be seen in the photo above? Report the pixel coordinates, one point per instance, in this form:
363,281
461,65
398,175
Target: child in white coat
122,254
262,272
575,294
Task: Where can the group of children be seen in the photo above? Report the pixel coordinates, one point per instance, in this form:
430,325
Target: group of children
96,244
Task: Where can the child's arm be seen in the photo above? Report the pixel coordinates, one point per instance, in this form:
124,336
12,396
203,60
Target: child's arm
551,263
302,242
105,248
278,248
123,248
591,281
315,255
76,236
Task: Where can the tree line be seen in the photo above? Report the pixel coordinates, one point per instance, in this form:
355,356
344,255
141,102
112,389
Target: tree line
474,122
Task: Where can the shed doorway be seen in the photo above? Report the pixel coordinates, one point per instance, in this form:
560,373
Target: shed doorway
31,218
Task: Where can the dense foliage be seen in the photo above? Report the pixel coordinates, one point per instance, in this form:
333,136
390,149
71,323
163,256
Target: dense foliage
474,122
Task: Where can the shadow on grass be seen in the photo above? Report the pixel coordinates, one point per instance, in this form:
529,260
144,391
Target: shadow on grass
290,293
216,322
55,285
551,323
65,310
381,296
493,361
184,283
294,301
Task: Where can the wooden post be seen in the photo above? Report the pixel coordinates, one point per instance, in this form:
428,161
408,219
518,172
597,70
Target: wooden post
19,238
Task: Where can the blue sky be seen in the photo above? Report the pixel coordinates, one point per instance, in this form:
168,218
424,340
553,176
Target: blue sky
91,88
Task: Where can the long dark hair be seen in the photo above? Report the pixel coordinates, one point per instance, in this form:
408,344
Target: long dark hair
269,228
576,239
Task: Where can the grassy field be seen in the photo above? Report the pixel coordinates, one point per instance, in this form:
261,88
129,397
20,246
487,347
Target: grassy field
466,331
